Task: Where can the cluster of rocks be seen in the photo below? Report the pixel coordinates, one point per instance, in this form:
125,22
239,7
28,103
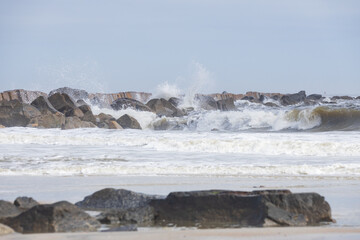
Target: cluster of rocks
122,209
66,108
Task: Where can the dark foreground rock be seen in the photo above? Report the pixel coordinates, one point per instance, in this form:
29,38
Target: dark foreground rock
219,208
226,104
58,217
139,216
126,121
62,103
115,199
43,105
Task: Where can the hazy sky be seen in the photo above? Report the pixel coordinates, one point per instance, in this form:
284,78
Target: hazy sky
235,46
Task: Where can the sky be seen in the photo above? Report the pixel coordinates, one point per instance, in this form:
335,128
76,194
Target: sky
210,46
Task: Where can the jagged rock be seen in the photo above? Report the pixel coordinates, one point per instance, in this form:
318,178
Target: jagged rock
43,105
4,230
49,120
358,97
206,102
141,216
162,107
306,208
115,199
175,101
291,99
314,97
75,122
14,113
85,108
103,120
209,209
124,103
275,97
126,121
342,98
222,208
88,115
114,125
25,202
58,217
7,209
62,102
72,92
226,105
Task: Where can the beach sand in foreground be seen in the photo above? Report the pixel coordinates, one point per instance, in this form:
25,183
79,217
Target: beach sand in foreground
213,234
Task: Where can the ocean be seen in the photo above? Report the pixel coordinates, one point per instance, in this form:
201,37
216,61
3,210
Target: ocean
302,148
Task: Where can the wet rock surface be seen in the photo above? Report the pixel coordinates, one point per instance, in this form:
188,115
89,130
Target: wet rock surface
58,217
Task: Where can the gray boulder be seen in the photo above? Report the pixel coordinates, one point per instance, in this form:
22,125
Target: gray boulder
124,103
175,101
126,121
43,105
115,199
163,107
25,203
58,217
291,99
7,209
62,102
342,98
314,97
14,113
103,120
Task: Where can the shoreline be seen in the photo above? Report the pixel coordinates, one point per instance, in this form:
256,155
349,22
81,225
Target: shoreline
350,233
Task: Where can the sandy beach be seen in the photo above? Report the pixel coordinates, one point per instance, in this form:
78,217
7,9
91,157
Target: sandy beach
212,234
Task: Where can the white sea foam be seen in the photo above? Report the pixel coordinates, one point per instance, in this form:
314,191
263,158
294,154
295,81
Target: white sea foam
167,90
110,152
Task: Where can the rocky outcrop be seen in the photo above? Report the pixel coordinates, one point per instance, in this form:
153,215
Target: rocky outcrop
14,113
115,199
7,209
5,230
126,121
103,120
21,95
222,208
25,203
124,103
226,105
162,107
58,217
292,99
43,105
75,122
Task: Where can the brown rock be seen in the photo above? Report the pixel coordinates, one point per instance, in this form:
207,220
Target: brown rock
62,102
49,120
43,105
5,230
14,113
114,125
75,122
126,121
